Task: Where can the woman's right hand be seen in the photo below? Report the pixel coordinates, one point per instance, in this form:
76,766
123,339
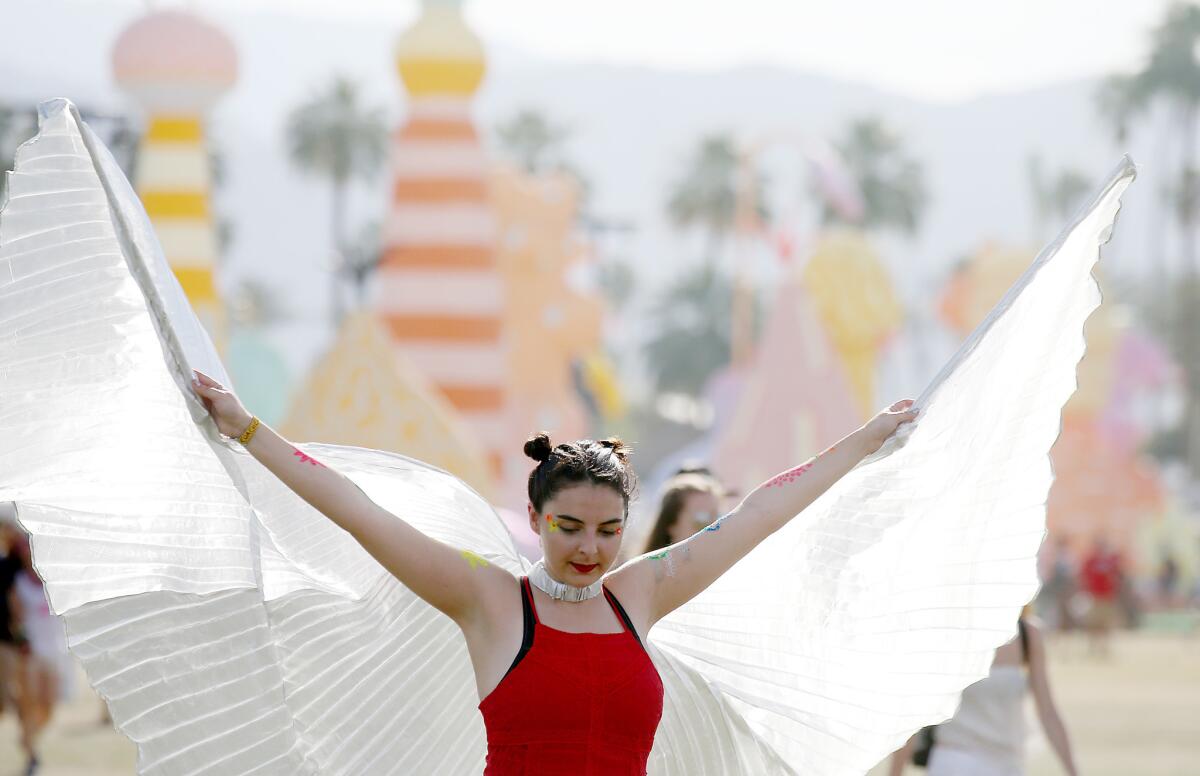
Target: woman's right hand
231,417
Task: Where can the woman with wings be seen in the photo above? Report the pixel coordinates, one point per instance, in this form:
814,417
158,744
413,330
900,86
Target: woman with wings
558,693
234,629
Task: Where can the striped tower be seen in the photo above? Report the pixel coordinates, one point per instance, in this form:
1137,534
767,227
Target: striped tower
439,289
176,66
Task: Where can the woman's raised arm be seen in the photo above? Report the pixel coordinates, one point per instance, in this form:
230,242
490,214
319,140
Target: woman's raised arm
451,580
673,576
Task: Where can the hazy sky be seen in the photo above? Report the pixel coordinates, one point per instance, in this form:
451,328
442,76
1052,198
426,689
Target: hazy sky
936,49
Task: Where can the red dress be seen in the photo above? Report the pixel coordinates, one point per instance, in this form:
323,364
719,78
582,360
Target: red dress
577,704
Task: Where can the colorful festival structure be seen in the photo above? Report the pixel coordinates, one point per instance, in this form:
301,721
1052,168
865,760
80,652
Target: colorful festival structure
794,401
362,393
439,289
856,305
553,322
1103,485
176,65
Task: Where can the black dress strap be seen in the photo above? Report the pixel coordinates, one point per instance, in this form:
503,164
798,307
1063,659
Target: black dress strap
620,611
529,617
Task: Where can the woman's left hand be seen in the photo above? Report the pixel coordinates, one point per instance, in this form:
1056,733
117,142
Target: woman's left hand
886,422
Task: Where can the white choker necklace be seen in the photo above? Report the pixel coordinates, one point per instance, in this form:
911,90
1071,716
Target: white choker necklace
541,579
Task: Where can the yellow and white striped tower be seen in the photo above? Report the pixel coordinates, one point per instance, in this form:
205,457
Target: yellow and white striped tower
439,288
176,65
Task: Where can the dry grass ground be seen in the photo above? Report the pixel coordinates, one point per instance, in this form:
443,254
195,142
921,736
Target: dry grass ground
1138,713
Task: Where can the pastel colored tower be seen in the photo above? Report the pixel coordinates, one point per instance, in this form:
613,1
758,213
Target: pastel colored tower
176,65
439,290
554,324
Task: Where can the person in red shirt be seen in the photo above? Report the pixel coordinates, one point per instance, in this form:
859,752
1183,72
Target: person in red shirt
1101,576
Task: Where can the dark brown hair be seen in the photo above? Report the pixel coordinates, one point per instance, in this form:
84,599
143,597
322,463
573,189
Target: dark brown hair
677,490
604,462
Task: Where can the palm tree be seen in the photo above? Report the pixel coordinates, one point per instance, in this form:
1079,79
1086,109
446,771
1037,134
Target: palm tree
1171,76
706,197
892,183
335,136
537,145
256,304
362,257
532,141
1056,197
617,281
692,319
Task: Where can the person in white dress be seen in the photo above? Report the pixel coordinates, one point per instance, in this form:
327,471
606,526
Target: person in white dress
986,736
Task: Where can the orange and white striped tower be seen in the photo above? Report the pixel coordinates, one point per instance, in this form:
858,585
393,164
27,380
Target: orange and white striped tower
439,288
176,65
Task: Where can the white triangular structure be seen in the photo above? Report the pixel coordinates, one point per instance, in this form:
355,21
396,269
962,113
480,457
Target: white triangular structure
234,630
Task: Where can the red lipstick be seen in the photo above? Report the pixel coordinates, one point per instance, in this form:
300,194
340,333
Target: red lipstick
584,568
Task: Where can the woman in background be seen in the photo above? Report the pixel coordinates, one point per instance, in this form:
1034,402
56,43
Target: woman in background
690,503
986,736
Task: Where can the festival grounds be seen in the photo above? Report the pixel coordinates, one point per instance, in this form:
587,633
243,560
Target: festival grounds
1137,714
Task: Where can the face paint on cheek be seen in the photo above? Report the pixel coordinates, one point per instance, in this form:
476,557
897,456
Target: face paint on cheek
550,521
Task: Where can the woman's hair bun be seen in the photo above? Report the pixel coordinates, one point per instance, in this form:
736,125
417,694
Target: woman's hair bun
538,447
619,448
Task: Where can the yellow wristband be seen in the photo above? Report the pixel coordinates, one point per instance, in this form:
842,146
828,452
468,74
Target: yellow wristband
248,434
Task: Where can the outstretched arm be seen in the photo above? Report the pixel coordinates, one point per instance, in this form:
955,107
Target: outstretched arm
449,579
901,757
677,574
1047,711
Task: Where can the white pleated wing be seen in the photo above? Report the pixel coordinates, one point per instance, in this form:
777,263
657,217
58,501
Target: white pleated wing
233,630
867,615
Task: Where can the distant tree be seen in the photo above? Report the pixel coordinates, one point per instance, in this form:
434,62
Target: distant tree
256,304
532,141
537,146
1171,77
617,281
891,182
362,258
1056,196
706,196
692,321
337,137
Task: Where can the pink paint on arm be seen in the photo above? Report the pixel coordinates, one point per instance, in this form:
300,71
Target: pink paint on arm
788,477
307,459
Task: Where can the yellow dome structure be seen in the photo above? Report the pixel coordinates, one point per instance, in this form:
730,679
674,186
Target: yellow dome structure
438,289
855,301
439,54
176,65
360,393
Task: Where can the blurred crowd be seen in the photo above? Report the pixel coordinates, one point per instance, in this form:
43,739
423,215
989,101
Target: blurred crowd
36,671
